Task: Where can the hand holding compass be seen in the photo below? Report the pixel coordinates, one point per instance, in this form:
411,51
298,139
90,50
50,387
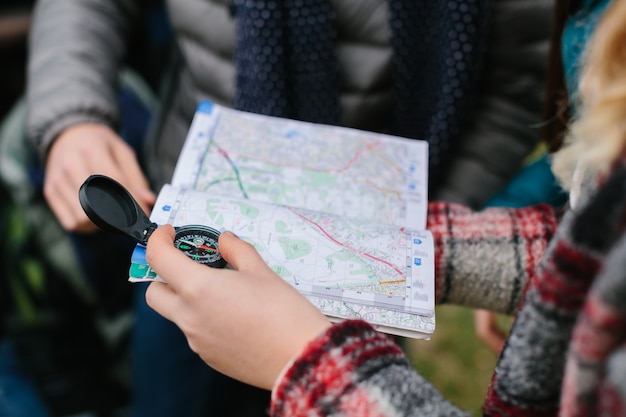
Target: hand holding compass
111,207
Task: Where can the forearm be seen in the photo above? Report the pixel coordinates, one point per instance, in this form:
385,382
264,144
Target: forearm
75,51
352,370
484,259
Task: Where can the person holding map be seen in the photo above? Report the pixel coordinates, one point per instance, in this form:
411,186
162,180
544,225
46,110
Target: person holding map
424,69
565,354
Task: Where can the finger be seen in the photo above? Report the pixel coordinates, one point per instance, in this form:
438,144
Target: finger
162,298
132,175
241,255
146,199
168,262
63,201
57,204
69,193
66,174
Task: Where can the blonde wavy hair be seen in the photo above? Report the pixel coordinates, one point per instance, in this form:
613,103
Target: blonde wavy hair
598,136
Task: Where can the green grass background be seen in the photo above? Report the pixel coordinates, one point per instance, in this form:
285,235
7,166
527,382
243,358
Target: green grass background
454,360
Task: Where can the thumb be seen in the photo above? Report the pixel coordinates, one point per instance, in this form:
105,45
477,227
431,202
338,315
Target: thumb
168,262
162,234
241,255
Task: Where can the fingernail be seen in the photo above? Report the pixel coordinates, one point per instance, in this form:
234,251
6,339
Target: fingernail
228,232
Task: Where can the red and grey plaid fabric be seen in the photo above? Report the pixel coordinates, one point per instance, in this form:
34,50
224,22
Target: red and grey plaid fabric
353,370
566,352
565,355
484,259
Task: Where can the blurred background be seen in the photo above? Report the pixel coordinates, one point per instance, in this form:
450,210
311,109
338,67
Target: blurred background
454,360
14,23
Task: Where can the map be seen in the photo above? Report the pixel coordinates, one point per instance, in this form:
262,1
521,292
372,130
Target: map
318,167
337,213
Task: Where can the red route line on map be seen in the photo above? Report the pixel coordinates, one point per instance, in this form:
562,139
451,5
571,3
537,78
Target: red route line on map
356,156
398,271
346,167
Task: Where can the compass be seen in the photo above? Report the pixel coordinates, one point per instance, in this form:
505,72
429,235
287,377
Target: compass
111,207
200,244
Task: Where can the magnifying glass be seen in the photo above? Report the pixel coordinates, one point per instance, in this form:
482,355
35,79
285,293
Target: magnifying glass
111,207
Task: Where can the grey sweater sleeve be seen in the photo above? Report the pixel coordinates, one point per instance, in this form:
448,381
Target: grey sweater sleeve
75,51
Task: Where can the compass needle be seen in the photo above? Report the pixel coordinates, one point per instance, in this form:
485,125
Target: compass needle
189,243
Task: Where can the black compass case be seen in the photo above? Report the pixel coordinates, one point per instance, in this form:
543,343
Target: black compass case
111,207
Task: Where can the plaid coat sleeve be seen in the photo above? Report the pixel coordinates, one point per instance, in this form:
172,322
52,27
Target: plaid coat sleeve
483,259
353,370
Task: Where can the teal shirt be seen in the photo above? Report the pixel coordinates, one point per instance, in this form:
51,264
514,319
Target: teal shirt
576,33
533,184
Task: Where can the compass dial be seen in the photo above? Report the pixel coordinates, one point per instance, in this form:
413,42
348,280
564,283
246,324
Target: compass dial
200,244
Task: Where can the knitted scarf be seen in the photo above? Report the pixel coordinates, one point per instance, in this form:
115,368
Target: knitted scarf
286,64
567,353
